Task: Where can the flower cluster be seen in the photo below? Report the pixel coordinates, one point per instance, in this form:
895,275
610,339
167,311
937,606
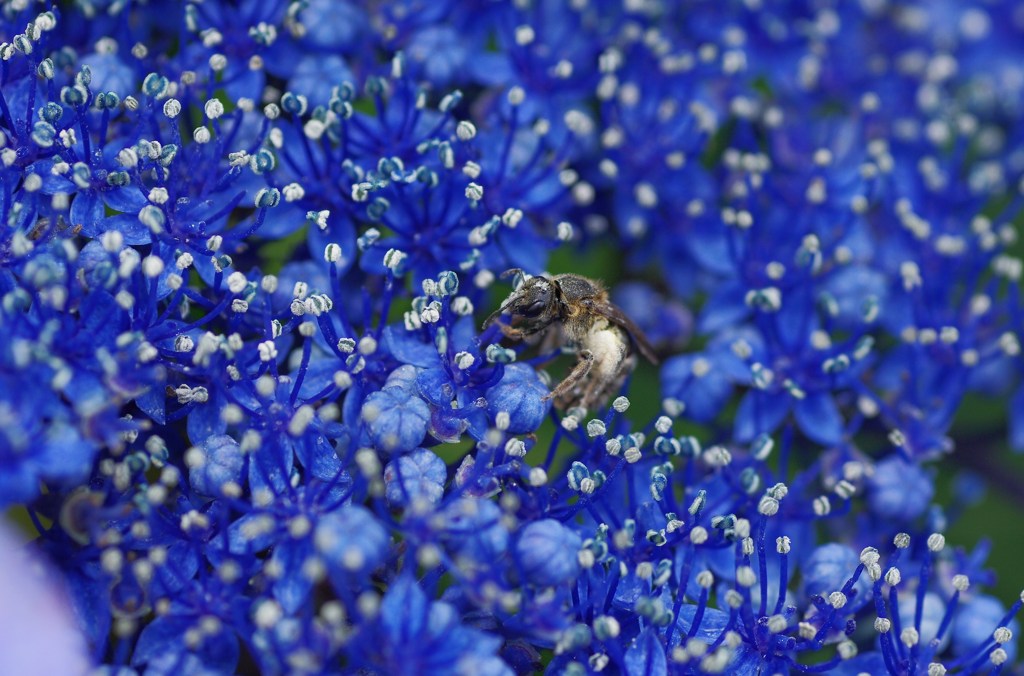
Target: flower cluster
248,409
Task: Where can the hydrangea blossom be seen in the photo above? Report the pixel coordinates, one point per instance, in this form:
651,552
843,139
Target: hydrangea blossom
252,423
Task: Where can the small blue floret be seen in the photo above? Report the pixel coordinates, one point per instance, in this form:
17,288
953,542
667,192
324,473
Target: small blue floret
222,464
520,394
547,553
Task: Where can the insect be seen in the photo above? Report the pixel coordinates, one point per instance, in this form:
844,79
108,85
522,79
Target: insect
571,309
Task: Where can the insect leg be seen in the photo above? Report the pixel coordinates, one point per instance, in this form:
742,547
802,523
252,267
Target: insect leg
581,370
511,331
599,390
522,331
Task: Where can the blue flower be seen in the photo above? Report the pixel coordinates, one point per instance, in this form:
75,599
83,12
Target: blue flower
333,25
699,383
933,612
416,636
295,528
245,249
48,447
899,489
221,464
827,570
475,531
316,75
546,550
418,477
351,540
395,419
195,634
974,622
442,56
520,394
161,652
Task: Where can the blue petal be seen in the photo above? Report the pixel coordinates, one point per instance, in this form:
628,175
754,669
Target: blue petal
18,484
240,81
705,394
86,210
100,318
293,586
186,564
439,52
760,412
725,308
90,601
316,74
404,378
239,542
161,636
153,403
128,225
339,231
279,222
646,657
319,375
65,455
318,457
445,426
435,385
851,286
205,420
490,69
819,419
796,319
404,611
476,530
712,624
127,200
110,74
270,467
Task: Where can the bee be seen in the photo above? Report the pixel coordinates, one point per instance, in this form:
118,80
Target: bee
570,309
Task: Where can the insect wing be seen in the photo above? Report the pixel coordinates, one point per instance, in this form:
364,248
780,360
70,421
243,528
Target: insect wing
614,314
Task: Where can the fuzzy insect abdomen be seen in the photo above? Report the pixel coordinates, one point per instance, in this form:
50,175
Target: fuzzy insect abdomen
609,346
